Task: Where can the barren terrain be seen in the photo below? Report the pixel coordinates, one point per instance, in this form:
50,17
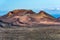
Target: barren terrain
32,33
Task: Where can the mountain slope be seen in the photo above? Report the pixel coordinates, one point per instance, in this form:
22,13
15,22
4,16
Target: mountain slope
57,19
26,18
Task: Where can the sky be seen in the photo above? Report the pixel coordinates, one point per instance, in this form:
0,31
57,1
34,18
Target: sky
7,5
28,4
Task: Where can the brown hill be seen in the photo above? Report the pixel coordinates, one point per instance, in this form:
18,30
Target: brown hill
43,16
25,18
20,12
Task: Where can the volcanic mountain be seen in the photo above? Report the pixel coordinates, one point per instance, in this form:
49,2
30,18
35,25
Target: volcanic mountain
43,16
24,18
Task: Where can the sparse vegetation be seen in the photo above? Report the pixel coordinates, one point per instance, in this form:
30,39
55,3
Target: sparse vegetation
24,33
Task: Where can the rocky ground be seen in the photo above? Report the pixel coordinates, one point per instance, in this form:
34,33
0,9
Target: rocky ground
32,33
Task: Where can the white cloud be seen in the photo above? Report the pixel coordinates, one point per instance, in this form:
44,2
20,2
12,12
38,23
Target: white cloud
51,8
58,8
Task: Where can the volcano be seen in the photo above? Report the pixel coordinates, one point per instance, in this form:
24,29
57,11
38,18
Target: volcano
23,18
43,16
